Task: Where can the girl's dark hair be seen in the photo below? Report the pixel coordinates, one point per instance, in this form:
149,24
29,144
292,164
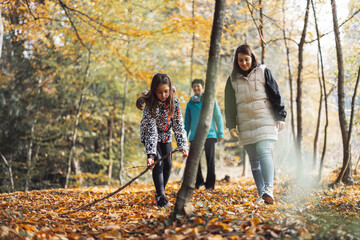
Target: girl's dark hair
149,98
245,49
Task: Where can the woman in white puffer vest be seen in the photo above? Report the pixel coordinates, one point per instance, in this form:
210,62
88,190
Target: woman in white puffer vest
255,112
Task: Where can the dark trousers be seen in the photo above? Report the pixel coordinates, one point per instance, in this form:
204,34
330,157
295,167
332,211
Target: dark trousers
210,162
161,171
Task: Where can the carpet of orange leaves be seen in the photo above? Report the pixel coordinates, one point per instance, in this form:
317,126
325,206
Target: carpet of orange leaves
228,212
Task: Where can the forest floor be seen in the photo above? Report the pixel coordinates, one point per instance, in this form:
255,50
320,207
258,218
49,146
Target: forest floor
301,211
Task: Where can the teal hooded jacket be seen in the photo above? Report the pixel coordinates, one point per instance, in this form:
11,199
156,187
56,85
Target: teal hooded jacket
192,115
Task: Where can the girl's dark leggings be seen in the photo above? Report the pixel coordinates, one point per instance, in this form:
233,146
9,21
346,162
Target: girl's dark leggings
161,171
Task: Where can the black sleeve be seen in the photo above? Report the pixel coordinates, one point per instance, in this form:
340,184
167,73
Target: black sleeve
274,95
230,105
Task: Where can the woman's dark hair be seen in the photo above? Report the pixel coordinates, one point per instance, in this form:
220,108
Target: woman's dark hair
245,49
150,99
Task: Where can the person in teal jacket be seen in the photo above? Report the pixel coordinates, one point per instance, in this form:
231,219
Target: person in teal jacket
216,133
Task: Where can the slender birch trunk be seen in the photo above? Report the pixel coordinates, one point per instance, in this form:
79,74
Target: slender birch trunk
323,94
29,157
183,205
71,158
110,141
318,122
9,166
1,33
122,136
29,152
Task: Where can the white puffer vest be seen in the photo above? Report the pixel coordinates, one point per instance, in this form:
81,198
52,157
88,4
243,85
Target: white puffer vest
255,116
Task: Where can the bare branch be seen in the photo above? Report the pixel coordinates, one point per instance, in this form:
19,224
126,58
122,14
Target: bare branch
252,16
5,161
281,39
28,7
343,23
264,15
77,12
278,26
72,24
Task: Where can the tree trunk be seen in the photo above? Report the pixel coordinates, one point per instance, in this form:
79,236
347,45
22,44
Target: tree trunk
323,94
1,33
345,174
183,205
74,135
122,136
356,166
29,152
9,165
192,46
299,136
110,139
346,178
28,158
290,77
261,29
318,122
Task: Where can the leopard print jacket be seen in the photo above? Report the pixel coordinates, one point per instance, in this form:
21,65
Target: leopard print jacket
158,129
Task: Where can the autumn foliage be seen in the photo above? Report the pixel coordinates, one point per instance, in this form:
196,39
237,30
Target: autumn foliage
70,73
228,212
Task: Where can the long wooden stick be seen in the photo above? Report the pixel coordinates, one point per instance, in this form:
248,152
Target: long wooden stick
121,188
138,166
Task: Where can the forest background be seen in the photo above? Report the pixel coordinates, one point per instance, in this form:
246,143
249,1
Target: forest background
71,72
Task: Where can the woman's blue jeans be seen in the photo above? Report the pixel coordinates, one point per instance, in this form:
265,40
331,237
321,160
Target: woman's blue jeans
262,165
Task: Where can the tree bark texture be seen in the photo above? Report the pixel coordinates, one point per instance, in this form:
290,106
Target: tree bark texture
299,92
261,29
341,99
183,205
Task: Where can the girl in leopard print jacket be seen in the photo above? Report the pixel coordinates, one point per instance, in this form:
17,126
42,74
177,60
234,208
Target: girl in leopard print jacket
161,113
